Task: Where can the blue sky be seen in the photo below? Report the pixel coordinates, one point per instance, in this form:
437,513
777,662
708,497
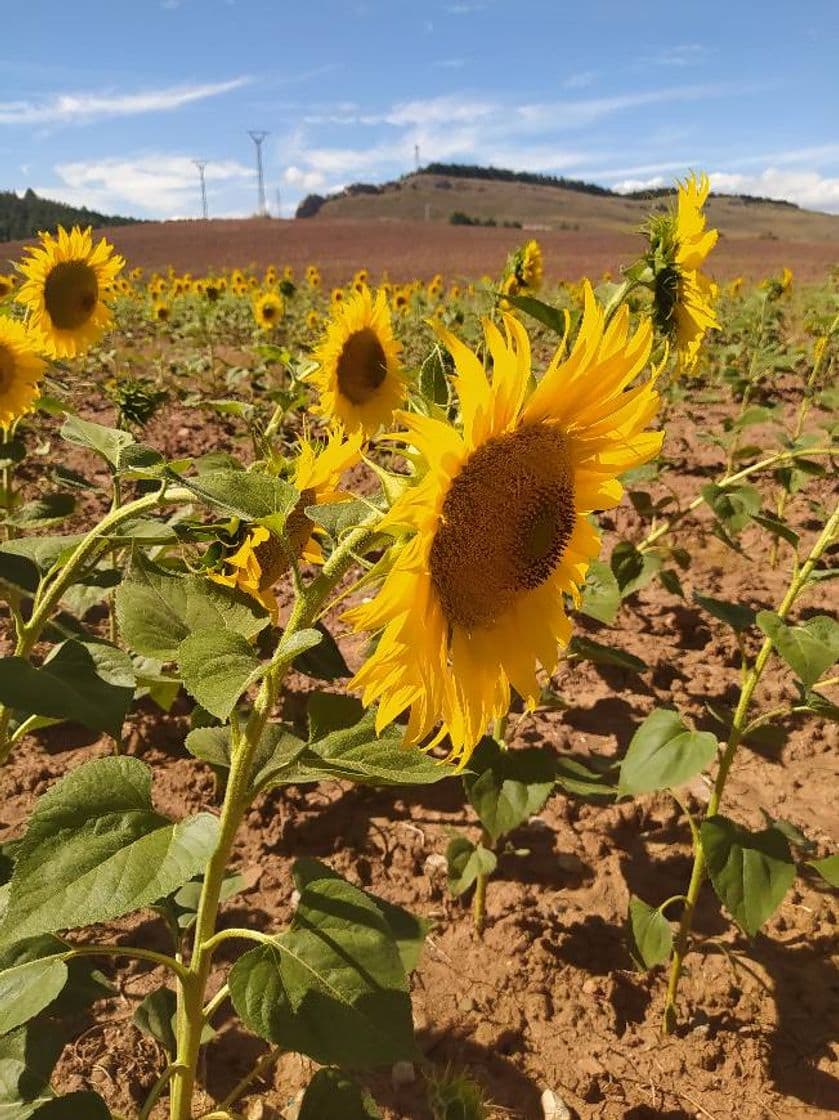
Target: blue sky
108,104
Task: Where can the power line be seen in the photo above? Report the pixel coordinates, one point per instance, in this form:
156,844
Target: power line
258,136
201,164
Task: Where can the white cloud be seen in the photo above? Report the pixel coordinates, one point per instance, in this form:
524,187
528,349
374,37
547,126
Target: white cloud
68,108
579,81
809,189
155,184
304,180
449,64
685,54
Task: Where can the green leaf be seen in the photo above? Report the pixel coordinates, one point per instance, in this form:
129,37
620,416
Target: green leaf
828,868
408,930
820,705
670,580
300,643
466,861
157,610
633,569
278,750
89,682
217,666
433,382
664,754
733,506
601,594
29,987
556,318
651,934
323,661
28,1056
738,616
777,528
95,849
338,518
751,871
332,987
505,787
332,1095
332,711
44,511
82,1105
107,442
247,495
587,649
154,1017
809,648
577,778
24,561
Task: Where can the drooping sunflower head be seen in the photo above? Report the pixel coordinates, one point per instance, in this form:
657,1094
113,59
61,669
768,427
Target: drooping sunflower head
260,558
683,296
68,280
359,376
475,601
21,369
268,310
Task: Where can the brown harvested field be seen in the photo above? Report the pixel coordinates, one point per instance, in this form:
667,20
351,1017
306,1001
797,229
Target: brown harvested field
409,249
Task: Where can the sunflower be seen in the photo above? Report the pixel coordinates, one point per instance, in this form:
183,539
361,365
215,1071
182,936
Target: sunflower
359,379
683,296
6,286
262,558
21,370
161,312
67,282
474,601
268,310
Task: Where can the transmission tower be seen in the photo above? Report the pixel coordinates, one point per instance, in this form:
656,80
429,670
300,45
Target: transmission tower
201,164
417,156
258,137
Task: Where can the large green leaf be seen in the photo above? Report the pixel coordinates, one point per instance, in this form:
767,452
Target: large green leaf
332,1095
217,666
24,561
601,594
157,610
556,319
733,506
107,442
332,987
751,871
27,1058
827,868
651,934
81,1105
738,616
29,987
663,754
96,849
632,568
809,648
90,682
505,787
255,497
278,749
408,930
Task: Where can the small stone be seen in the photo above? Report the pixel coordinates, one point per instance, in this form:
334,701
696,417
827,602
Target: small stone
554,1107
403,1073
435,865
295,898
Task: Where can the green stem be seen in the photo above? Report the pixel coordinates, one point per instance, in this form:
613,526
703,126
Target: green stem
729,480
241,1087
126,951
738,728
236,800
479,902
155,1092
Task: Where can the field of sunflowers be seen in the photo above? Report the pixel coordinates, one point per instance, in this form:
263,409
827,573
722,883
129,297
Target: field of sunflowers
418,700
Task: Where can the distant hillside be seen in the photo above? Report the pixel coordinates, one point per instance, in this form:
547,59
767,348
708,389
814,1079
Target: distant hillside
493,196
27,216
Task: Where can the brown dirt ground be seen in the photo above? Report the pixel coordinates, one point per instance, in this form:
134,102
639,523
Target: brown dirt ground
406,249
548,997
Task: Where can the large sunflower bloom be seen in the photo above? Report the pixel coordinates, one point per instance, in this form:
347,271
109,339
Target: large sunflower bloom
359,377
68,280
262,558
683,295
21,370
475,601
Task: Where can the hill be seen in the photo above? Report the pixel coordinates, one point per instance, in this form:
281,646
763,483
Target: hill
27,215
540,202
